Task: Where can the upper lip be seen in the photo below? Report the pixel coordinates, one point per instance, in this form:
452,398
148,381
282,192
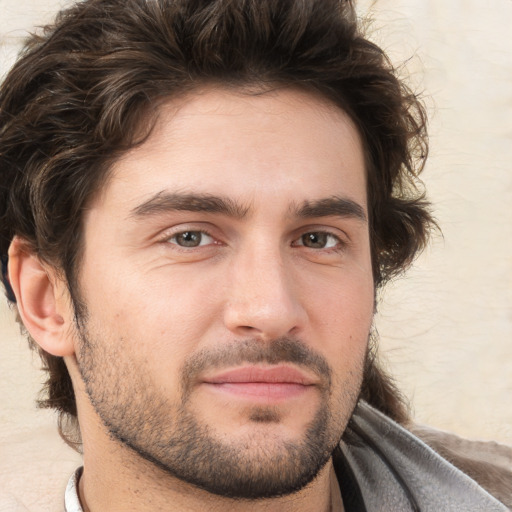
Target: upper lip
282,374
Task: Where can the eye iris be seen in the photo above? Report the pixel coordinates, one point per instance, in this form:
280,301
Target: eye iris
189,238
315,240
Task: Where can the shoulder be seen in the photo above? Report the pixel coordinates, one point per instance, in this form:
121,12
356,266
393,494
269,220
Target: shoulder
487,462
418,468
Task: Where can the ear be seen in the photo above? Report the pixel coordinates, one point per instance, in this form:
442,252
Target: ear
42,300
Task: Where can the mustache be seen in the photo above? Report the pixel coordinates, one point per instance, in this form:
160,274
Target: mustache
254,351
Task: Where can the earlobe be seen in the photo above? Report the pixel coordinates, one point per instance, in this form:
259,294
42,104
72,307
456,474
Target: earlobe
40,298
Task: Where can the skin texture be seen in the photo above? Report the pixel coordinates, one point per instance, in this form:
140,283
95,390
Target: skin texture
274,277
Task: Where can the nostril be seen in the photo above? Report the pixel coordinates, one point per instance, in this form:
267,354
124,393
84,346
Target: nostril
247,328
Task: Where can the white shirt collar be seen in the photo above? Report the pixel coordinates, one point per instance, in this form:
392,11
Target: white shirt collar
71,499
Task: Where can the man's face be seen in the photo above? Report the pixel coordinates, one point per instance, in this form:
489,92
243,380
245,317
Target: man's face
228,286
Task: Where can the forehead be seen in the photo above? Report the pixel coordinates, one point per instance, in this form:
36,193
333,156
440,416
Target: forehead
249,146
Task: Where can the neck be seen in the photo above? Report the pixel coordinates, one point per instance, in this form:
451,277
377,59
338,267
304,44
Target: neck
114,485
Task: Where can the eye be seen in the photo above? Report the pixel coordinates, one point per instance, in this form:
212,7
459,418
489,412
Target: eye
191,239
318,240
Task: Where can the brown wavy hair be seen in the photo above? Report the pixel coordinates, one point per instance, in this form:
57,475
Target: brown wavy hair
88,87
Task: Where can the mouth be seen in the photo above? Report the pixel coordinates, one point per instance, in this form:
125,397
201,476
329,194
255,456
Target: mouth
262,384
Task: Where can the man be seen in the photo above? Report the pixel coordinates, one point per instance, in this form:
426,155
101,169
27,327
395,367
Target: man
199,202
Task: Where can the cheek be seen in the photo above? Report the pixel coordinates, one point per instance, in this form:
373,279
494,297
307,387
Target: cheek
341,315
159,317
345,300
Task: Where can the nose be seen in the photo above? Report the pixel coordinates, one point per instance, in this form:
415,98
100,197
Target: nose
263,298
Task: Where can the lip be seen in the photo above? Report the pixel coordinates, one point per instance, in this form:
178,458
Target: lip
261,384
259,374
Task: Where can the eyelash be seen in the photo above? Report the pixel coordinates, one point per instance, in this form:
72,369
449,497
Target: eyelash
340,244
202,232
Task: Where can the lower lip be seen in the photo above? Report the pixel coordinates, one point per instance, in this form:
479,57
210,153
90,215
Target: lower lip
261,391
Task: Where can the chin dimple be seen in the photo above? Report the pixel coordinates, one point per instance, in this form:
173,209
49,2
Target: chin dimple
264,415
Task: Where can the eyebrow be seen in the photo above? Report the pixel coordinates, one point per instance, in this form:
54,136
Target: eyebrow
163,202
334,206
166,202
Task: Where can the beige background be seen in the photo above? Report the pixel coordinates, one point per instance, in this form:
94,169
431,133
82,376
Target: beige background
446,328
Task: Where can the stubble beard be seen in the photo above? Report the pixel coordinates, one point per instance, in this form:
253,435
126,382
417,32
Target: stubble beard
171,437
